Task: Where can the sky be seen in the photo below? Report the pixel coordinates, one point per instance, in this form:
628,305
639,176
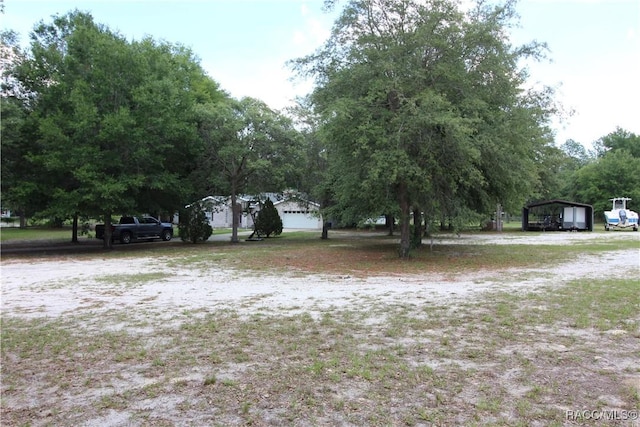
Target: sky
593,58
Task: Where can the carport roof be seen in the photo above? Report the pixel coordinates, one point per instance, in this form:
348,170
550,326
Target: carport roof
558,202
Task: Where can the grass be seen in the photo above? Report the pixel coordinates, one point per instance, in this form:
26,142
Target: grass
347,371
375,254
503,358
34,233
597,305
130,280
349,253
14,234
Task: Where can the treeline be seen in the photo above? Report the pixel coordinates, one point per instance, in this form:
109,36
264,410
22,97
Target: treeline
418,113
96,125
610,169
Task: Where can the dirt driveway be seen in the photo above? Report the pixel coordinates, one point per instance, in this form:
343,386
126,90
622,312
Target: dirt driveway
149,342
34,289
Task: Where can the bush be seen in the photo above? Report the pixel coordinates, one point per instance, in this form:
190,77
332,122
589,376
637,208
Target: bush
268,221
194,226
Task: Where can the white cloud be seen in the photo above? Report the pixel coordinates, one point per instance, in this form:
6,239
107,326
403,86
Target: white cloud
603,98
299,38
269,82
581,1
267,77
314,30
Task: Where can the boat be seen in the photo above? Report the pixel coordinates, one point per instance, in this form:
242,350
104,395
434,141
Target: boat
619,216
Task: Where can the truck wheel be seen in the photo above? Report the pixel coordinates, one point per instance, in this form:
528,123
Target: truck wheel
167,235
125,238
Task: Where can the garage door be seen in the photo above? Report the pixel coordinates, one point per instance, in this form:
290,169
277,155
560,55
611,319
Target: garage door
299,219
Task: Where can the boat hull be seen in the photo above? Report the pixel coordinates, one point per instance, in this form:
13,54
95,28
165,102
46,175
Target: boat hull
621,218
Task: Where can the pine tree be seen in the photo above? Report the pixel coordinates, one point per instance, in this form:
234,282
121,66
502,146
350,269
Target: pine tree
194,226
268,221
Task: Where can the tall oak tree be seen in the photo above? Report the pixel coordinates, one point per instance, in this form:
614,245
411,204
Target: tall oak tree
422,106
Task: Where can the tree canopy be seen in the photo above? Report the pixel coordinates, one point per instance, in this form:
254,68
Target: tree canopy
420,111
422,108
111,122
246,146
619,139
614,173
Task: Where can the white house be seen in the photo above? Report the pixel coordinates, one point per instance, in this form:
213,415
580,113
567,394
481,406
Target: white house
220,215
299,214
294,212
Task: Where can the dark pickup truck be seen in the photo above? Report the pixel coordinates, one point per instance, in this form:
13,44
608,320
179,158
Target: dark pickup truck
132,228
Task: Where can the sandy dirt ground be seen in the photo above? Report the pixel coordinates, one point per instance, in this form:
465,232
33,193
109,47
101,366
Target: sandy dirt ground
450,371
34,289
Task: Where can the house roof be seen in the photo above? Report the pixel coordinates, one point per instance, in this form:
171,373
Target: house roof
298,201
275,198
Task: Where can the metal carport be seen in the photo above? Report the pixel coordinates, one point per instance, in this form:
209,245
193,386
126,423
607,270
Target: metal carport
557,215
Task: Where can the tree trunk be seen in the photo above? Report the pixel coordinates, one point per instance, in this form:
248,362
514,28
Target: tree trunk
23,221
74,229
107,242
405,217
417,227
234,214
389,220
325,231
426,231
325,224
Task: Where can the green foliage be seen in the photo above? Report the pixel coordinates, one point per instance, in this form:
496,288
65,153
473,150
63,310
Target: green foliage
618,140
246,146
116,132
194,226
424,110
613,175
555,168
610,172
21,188
316,180
574,173
268,221
576,153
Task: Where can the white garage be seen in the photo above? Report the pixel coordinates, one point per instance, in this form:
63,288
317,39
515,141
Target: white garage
299,214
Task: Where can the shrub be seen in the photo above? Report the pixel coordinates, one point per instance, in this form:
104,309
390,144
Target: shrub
268,221
194,226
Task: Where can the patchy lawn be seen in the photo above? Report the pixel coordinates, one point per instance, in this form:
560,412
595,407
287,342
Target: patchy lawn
520,329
